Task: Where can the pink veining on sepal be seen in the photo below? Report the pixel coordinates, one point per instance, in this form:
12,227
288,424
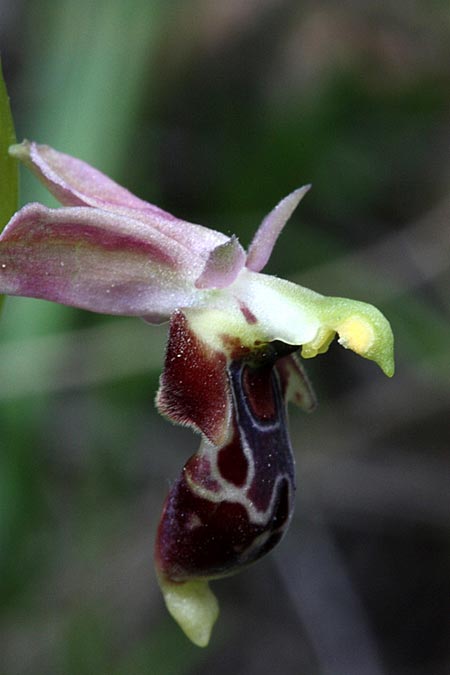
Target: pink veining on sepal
76,183
268,232
96,260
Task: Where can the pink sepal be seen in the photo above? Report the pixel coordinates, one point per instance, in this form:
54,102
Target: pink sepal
76,183
96,260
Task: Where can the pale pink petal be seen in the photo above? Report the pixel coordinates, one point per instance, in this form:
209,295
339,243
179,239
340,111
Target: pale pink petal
95,260
75,183
223,265
267,234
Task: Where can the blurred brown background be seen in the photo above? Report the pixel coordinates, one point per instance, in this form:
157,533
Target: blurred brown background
214,111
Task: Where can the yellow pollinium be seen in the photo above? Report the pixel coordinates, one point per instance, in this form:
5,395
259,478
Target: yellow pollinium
356,334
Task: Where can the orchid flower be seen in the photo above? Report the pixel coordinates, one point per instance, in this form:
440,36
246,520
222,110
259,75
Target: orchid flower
232,361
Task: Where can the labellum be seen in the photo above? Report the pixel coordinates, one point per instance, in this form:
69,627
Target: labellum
234,498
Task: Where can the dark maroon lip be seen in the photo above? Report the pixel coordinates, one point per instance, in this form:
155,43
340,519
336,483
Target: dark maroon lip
233,501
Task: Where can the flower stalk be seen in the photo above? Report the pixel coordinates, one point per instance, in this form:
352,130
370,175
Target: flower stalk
9,175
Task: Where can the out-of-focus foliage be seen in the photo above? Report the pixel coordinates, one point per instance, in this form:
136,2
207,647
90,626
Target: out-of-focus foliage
214,111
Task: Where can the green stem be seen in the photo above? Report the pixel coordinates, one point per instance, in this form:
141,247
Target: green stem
9,175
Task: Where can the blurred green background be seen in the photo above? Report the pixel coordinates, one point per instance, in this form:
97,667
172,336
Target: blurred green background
214,111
